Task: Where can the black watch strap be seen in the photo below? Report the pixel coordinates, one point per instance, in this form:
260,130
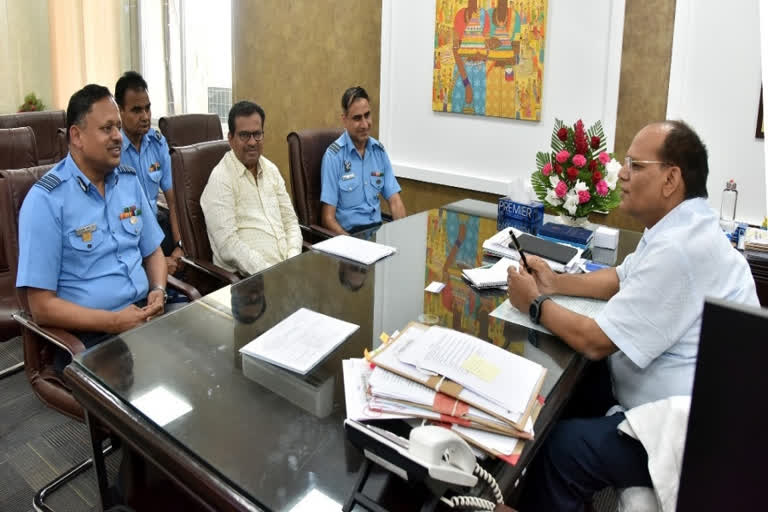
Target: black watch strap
535,309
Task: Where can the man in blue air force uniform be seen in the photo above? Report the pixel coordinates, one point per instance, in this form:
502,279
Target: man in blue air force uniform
89,245
355,170
146,150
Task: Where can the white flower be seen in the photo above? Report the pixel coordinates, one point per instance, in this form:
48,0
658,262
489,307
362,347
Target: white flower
612,169
571,201
554,179
552,198
580,185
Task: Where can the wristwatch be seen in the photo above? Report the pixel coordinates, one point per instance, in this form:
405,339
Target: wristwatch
535,310
165,294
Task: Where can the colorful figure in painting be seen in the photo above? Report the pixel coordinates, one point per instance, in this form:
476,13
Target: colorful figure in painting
502,57
471,27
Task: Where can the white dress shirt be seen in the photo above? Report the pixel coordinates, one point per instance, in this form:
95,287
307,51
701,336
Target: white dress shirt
251,223
655,318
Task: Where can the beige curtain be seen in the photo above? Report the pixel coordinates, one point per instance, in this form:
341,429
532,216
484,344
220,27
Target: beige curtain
90,43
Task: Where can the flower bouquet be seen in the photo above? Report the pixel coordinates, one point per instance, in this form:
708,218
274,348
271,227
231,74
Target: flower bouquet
578,176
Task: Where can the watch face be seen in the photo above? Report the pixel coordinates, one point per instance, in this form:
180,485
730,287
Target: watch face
533,311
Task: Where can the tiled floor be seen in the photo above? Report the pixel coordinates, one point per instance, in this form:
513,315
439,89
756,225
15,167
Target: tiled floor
37,444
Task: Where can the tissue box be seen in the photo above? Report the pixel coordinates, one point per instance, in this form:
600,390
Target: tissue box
527,217
607,238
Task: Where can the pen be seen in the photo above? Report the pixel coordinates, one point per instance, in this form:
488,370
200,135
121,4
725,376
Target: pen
519,249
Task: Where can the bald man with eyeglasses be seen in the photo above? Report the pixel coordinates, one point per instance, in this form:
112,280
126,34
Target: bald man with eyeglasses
248,213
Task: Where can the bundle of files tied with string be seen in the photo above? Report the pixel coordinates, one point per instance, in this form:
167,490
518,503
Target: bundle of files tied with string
434,375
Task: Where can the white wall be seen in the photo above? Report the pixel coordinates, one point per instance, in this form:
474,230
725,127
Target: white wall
714,86
582,62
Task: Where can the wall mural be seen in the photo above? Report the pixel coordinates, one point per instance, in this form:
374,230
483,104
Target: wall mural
489,57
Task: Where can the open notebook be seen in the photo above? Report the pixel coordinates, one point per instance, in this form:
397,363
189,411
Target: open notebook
351,248
492,277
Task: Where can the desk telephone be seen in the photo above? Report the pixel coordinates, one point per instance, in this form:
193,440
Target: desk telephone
432,452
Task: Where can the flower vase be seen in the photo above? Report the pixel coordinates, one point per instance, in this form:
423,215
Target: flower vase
580,222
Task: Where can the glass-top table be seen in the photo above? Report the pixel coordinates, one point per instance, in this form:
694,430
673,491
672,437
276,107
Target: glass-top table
277,437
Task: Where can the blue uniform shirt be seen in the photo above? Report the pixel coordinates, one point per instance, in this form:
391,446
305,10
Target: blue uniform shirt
353,184
73,241
152,164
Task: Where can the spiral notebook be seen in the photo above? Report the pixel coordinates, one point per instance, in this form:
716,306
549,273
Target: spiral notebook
492,277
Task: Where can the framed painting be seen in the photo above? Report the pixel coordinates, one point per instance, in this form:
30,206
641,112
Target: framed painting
489,57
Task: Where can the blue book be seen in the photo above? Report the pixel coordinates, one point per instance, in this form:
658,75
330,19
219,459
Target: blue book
572,234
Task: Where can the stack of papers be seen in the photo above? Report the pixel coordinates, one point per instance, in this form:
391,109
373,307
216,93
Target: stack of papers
493,277
487,395
355,249
756,239
498,245
301,341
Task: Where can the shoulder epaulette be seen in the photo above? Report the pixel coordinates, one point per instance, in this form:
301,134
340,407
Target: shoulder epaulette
126,169
158,136
334,148
49,182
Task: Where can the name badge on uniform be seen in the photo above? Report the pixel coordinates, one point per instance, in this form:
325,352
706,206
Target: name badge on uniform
154,167
347,165
86,232
349,176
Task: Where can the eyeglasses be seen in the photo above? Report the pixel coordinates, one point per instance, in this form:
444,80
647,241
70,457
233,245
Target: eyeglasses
629,163
244,136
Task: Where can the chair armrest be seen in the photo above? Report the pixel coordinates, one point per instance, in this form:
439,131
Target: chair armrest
386,217
58,337
321,230
305,246
187,289
212,270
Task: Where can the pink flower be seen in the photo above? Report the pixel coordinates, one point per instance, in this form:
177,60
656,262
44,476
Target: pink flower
563,156
579,161
601,187
584,196
561,189
604,158
547,169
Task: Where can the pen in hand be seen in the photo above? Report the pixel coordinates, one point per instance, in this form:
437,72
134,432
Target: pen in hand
518,249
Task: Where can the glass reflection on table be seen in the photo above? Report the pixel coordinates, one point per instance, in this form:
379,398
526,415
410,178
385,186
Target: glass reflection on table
278,436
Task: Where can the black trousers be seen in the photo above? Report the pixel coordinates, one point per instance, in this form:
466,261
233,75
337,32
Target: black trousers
585,452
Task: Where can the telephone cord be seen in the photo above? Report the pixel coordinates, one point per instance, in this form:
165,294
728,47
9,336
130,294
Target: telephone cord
474,502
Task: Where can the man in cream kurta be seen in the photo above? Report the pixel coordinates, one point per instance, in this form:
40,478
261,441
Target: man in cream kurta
249,216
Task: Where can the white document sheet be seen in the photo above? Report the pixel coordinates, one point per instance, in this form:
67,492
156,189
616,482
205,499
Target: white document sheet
300,341
509,313
356,396
354,249
500,376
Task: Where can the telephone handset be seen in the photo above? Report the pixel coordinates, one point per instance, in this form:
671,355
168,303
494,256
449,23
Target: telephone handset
437,451
447,456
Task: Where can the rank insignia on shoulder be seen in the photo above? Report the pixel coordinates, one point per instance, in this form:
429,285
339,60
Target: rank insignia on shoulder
347,165
126,169
86,232
334,147
49,182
